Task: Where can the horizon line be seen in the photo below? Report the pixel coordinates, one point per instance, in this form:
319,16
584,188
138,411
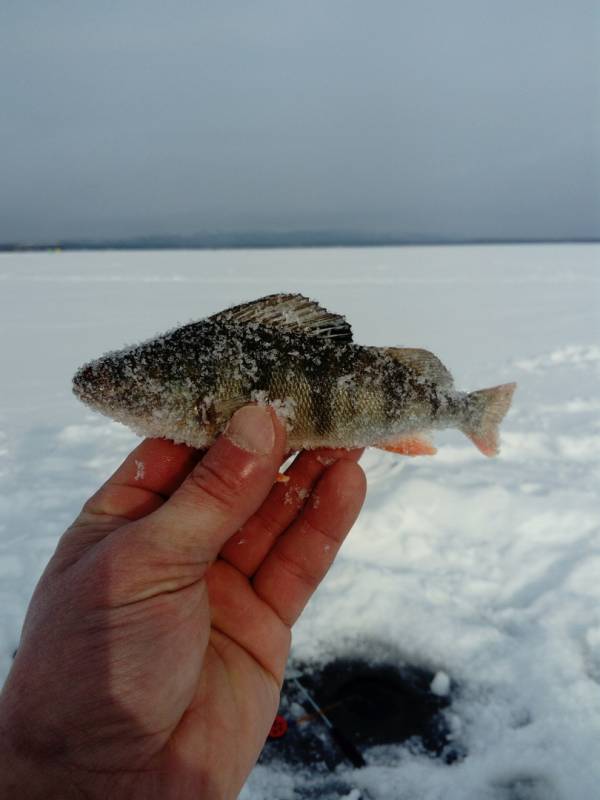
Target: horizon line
272,241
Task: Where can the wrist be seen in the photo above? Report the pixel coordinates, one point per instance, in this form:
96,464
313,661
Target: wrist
27,779
26,774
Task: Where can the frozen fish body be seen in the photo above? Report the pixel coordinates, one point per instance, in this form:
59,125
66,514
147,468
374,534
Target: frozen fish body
288,351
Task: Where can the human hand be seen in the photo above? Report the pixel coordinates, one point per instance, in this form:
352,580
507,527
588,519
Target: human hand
155,644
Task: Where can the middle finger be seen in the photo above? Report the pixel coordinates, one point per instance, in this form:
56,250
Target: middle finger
247,548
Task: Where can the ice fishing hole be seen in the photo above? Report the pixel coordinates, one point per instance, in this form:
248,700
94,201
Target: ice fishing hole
338,710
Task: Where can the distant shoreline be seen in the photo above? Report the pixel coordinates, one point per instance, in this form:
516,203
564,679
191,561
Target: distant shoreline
270,242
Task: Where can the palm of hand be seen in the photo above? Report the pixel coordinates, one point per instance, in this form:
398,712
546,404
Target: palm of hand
181,592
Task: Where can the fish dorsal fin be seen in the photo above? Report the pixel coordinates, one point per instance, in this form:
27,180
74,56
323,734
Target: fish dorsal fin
423,362
289,312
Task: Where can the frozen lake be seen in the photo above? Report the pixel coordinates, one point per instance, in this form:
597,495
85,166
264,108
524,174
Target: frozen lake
487,570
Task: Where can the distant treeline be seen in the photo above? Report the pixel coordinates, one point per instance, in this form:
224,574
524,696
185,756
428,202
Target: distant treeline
260,240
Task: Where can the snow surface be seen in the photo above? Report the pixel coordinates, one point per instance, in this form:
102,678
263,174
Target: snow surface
486,571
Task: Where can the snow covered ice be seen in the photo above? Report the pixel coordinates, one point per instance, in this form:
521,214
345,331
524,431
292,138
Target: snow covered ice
486,572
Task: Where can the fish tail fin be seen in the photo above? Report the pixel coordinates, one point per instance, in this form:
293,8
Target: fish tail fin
486,409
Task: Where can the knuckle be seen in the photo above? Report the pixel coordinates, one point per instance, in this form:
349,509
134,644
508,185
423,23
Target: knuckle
270,525
217,486
311,529
301,572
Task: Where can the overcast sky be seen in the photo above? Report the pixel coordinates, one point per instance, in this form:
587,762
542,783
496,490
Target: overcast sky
470,118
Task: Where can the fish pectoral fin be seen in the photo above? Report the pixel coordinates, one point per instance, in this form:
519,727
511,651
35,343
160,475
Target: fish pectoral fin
413,444
289,312
217,412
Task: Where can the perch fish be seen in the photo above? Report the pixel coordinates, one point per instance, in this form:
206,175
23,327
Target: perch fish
288,351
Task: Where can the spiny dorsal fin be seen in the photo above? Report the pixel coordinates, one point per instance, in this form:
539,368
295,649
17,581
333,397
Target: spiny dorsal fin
289,312
423,362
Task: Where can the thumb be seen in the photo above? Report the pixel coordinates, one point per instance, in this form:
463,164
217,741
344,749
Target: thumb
223,490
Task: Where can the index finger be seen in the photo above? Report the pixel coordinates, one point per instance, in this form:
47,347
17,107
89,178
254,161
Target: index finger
148,476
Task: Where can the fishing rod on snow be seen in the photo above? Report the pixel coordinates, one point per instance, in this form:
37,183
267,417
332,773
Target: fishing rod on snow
348,748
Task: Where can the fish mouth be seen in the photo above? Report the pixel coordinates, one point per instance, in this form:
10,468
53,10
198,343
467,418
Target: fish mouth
94,384
113,388
83,380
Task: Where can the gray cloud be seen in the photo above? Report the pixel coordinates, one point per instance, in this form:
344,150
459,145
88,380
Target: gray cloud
471,119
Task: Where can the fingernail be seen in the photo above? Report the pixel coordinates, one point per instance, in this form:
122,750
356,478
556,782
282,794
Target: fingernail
251,428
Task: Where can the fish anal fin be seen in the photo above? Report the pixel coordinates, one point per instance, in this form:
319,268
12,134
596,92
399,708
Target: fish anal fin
414,444
289,312
424,363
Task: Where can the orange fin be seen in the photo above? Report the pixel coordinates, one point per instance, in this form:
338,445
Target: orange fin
487,410
282,478
413,444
